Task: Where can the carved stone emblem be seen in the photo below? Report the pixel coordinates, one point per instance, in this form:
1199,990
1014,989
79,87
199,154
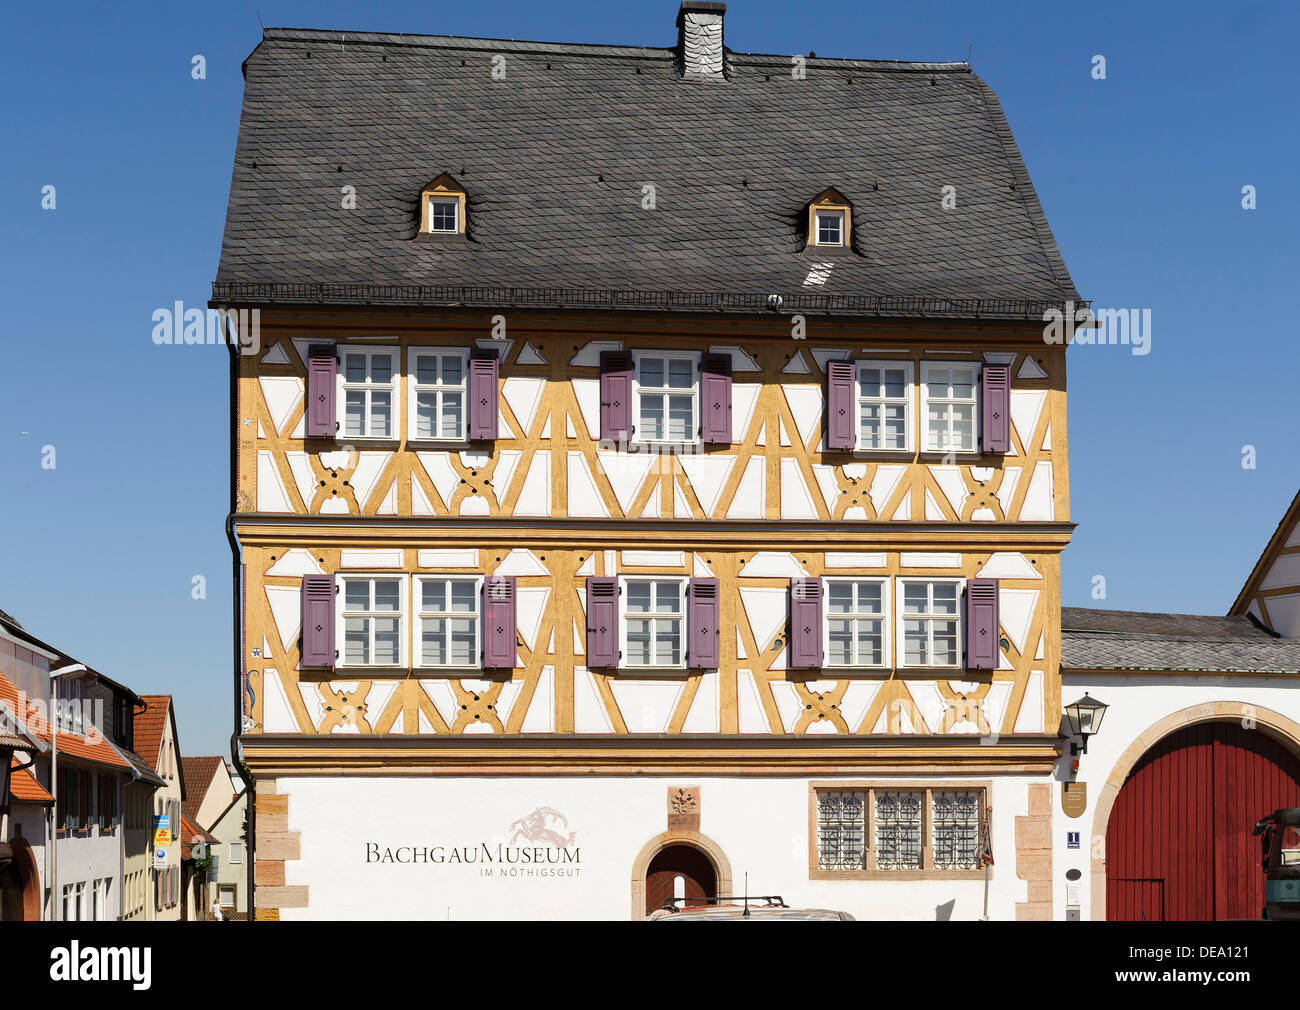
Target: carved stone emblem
684,808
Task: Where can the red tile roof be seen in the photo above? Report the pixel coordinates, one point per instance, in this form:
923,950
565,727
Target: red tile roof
96,749
149,726
24,787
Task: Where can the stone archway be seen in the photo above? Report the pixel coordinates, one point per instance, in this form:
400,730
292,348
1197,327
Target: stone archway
691,839
1275,725
20,885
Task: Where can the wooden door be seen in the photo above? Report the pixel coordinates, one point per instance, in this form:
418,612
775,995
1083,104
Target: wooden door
1178,845
679,870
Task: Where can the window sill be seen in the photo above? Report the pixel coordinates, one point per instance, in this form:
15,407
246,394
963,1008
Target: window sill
443,443
650,671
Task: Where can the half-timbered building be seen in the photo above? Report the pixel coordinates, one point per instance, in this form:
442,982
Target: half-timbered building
650,473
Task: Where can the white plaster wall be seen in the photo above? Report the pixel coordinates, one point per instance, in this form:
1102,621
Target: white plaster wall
1137,701
760,823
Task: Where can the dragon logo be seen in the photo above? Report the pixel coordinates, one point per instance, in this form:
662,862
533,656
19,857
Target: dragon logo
541,825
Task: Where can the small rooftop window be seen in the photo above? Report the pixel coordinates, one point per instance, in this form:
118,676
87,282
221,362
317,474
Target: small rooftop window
442,207
830,220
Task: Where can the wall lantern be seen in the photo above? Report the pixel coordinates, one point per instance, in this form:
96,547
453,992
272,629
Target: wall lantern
1085,717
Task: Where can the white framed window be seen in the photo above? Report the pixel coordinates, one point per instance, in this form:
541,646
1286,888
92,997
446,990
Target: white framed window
929,622
438,394
226,895
444,214
367,386
857,623
950,406
448,629
653,622
829,226
666,393
235,852
371,625
884,406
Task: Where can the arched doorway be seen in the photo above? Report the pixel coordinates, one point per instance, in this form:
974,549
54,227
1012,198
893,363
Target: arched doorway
679,871
1178,842
20,889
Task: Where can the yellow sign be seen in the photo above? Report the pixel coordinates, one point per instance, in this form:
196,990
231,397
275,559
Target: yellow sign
162,830
1074,798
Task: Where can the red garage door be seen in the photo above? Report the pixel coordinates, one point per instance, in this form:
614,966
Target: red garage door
1178,845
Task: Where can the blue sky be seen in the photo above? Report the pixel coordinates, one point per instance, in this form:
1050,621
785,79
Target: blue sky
1141,176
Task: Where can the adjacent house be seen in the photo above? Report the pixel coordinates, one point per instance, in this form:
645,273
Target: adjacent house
651,472
1199,738
72,846
156,740
217,809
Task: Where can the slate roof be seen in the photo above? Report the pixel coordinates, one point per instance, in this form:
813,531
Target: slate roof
1131,640
554,158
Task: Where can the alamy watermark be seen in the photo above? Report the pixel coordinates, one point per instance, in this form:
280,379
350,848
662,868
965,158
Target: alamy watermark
240,328
1082,325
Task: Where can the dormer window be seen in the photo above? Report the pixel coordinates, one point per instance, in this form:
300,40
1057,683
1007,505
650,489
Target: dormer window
830,227
442,207
830,219
444,214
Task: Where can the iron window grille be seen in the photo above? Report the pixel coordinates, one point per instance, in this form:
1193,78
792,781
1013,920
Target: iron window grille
956,820
841,830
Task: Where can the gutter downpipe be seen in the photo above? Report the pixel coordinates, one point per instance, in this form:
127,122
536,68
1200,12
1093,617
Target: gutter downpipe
237,616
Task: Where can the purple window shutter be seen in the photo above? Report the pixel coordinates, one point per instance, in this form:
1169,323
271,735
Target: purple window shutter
615,396
981,624
805,623
841,408
322,367
499,622
715,399
602,621
483,371
317,622
703,617
996,409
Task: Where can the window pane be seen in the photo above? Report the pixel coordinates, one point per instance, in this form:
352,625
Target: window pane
381,368
895,384
895,426
380,414
638,642
666,597
426,406
356,640
464,597
898,831
914,599
839,597
433,641
354,367
463,651
944,634
638,597
451,370
937,381
433,596
356,595
963,383
840,644
841,831
668,642
915,648
451,415
680,373
652,416
354,412
869,643
681,416
868,381
652,372
870,598
945,597
956,830
426,369
387,648
387,595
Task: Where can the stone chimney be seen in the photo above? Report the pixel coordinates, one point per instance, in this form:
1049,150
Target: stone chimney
699,39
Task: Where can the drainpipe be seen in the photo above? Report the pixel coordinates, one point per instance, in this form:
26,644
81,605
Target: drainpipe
237,620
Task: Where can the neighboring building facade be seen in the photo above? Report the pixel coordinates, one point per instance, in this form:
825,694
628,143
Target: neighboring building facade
157,742
85,852
218,811
1200,740
658,497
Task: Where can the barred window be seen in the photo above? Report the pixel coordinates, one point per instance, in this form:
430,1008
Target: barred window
956,830
841,830
898,830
